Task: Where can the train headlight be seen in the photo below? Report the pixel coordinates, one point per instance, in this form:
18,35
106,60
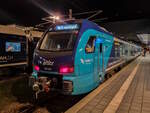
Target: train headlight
36,87
37,68
66,69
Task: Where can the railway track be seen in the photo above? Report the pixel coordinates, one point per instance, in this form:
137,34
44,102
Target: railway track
27,109
55,103
52,103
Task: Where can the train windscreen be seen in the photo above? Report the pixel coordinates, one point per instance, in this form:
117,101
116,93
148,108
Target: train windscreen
58,41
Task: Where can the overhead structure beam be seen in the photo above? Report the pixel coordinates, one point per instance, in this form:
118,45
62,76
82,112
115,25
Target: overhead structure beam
144,38
99,20
85,13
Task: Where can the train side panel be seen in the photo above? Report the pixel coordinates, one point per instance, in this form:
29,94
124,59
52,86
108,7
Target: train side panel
88,66
121,53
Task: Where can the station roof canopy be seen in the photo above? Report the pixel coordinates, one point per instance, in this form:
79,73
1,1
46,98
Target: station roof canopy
125,18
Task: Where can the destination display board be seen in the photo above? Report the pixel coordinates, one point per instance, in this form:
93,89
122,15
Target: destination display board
65,27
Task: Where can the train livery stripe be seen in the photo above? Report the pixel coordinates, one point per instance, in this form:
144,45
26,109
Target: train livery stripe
13,64
114,66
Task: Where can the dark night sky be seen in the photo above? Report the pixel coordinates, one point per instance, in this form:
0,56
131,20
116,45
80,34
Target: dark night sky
124,17
30,12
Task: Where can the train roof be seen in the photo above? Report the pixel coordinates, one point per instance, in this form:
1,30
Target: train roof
90,24
126,42
87,24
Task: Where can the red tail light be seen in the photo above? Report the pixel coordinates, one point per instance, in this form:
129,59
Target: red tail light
37,68
66,69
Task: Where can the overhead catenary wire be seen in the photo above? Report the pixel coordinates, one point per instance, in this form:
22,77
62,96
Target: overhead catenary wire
78,14
100,11
48,20
39,25
84,13
99,20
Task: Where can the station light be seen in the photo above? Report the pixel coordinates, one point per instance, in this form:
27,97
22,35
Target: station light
55,17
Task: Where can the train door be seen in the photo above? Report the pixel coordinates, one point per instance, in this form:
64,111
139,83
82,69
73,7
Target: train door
99,60
89,56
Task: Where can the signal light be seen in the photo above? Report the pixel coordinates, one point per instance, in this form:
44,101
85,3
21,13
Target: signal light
37,68
66,69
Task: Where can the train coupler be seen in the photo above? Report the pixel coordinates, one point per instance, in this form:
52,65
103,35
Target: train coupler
42,84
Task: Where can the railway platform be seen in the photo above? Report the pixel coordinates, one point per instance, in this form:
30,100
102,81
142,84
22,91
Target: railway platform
128,91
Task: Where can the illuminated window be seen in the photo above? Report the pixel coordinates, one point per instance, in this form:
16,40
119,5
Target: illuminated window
90,46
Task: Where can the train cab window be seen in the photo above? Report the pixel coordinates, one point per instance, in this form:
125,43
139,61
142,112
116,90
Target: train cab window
62,41
90,46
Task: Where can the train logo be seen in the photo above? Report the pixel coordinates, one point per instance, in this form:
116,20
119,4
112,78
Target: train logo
48,63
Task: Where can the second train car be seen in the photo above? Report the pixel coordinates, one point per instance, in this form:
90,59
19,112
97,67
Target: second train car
74,57
15,49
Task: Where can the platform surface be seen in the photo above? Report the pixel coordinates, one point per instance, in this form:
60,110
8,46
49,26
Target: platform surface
128,91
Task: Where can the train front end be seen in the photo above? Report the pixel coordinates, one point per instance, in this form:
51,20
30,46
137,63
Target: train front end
53,64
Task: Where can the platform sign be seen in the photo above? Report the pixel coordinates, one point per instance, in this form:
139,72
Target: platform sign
67,27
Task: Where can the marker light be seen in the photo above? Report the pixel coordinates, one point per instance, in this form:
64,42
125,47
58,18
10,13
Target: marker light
99,40
66,69
37,68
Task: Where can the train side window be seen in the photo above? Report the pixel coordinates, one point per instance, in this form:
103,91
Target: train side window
90,46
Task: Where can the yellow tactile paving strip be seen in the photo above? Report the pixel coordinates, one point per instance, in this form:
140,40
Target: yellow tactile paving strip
137,98
114,104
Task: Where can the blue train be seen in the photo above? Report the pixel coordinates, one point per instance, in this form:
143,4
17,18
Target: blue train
74,57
